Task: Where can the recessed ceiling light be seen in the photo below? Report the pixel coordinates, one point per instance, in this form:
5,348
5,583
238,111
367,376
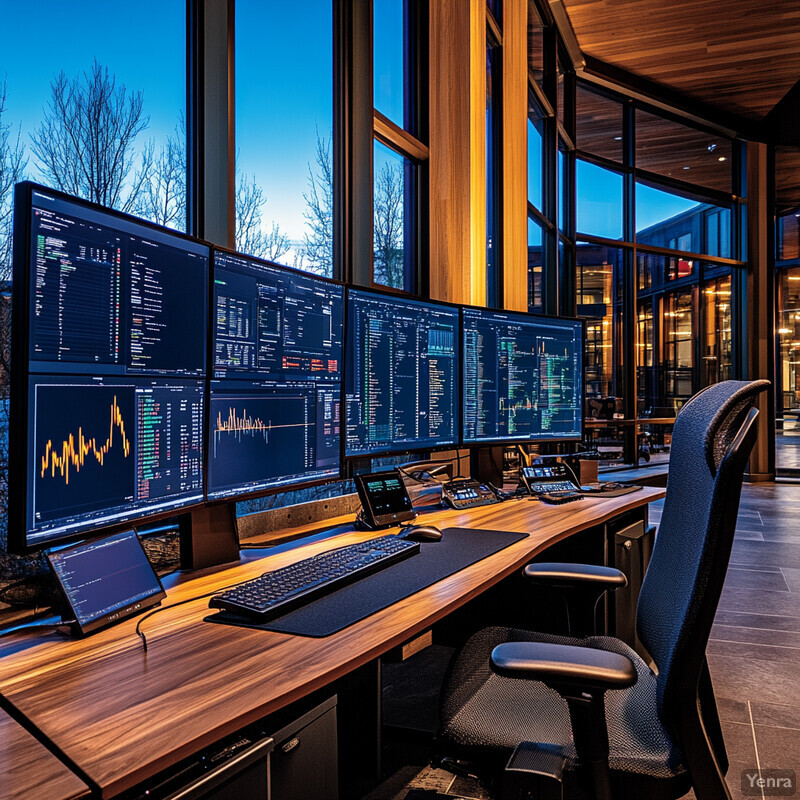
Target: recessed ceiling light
723,158
617,138
712,148
687,167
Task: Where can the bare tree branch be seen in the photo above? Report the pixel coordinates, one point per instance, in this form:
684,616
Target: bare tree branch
316,254
12,169
86,142
161,196
250,237
388,226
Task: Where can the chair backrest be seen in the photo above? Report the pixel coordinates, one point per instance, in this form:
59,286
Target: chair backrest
711,442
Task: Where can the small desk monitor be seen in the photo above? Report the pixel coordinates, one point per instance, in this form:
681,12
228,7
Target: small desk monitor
384,499
106,580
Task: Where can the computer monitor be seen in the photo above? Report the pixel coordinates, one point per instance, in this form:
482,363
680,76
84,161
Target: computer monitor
401,374
523,377
274,401
109,360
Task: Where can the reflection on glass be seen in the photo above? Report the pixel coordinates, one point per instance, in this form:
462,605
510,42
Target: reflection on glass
787,374
284,170
535,262
716,353
535,134
595,278
678,327
599,200
388,24
599,124
563,196
391,256
664,219
678,151
535,43
788,244
654,270
493,180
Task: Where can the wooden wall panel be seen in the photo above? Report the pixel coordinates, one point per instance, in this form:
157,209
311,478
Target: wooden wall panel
515,156
457,151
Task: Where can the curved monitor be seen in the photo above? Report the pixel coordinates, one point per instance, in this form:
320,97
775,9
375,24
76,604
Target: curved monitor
109,362
401,376
523,377
274,401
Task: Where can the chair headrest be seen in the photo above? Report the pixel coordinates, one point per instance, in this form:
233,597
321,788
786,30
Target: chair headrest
729,416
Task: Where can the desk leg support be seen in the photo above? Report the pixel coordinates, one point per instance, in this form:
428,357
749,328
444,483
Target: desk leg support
359,721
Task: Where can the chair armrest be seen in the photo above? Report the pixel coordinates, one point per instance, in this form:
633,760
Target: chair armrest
576,576
562,665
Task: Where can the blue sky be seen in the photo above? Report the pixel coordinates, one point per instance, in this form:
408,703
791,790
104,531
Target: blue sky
40,39
284,87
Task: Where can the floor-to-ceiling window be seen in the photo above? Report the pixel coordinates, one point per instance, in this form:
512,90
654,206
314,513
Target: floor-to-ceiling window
663,191
787,322
284,133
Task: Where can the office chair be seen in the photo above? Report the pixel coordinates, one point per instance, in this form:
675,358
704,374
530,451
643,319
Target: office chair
656,732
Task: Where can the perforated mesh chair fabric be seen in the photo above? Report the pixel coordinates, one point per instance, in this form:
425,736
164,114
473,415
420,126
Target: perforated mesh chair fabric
484,711
696,532
486,715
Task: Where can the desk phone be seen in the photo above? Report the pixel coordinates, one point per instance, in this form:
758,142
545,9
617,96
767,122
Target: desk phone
461,493
552,483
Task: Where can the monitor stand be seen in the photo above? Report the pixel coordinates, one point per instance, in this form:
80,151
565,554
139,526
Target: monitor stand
486,465
209,536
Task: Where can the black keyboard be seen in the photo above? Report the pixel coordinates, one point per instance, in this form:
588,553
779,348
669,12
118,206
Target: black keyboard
277,592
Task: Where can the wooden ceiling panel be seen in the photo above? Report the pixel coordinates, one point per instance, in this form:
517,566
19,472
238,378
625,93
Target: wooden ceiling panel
741,56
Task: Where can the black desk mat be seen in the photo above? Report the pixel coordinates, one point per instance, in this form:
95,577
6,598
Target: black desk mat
458,548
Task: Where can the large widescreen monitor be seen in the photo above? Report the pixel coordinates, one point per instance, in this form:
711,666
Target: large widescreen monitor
109,359
523,377
277,359
401,374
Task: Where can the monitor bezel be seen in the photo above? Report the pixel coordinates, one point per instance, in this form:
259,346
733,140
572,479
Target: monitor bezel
395,296
509,442
255,494
20,374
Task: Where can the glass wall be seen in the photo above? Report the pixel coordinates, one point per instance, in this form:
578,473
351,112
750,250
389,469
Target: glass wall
672,210
787,322
85,113
284,133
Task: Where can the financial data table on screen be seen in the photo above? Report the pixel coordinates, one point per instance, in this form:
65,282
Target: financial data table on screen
401,384
522,377
274,402
116,361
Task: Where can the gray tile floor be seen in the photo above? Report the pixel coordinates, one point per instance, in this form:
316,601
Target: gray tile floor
754,651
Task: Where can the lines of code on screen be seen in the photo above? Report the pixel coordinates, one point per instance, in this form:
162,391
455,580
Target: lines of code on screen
112,296
522,377
402,376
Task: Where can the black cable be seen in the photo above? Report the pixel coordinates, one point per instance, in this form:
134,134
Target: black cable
28,626
175,605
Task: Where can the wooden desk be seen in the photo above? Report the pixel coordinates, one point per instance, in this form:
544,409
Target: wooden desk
30,771
122,715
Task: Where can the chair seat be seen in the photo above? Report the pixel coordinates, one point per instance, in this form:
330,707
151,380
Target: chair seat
487,715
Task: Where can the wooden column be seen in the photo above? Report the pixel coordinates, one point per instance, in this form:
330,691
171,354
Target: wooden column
458,151
760,310
515,156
